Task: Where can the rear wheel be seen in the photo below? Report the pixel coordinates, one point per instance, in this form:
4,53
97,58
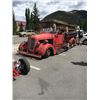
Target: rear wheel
71,45
71,42
24,67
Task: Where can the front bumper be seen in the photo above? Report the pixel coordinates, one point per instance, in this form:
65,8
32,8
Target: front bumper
28,54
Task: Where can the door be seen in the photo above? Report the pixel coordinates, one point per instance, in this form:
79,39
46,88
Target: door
58,41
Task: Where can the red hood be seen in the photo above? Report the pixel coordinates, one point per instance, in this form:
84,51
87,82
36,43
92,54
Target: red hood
43,36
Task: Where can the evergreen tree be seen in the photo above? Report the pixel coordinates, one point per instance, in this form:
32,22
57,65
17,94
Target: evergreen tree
27,15
14,25
31,21
35,18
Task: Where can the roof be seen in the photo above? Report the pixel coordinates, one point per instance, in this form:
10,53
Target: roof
57,21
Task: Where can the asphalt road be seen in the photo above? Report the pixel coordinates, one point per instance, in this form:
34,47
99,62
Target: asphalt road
59,77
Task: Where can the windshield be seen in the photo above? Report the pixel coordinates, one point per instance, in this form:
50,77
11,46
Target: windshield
28,31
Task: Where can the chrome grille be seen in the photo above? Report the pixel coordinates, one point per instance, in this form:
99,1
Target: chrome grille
31,43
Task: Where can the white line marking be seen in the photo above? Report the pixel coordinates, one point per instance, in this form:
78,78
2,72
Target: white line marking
34,67
62,54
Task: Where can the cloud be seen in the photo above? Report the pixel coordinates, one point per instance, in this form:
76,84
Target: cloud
79,5
20,2
53,2
20,18
43,12
15,3
46,7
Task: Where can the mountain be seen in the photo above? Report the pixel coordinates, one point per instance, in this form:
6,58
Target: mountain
75,17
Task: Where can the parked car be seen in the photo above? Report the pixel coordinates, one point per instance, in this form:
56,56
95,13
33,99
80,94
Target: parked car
83,39
46,44
26,33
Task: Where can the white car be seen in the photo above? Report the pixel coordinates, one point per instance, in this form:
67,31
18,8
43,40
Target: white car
83,40
26,33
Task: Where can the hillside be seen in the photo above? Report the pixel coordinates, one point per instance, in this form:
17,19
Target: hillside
75,17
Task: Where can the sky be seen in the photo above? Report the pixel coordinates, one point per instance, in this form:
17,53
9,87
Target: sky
46,7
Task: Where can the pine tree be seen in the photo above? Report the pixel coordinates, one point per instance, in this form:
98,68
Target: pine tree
27,14
26,17
35,18
31,21
14,25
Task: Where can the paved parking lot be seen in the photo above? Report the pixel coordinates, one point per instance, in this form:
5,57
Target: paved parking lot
59,77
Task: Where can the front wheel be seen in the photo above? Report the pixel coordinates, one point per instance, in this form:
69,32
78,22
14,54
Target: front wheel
47,53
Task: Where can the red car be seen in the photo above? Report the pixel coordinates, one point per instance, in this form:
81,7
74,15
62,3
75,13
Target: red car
46,44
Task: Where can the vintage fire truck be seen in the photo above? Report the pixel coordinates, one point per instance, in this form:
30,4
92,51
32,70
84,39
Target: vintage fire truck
46,44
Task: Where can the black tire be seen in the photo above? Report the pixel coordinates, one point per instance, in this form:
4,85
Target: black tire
24,35
24,66
85,42
20,35
47,53
74,43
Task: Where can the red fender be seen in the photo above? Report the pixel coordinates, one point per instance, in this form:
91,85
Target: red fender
72,41
43,47
22,46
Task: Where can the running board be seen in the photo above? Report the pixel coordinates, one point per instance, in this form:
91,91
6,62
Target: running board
29,54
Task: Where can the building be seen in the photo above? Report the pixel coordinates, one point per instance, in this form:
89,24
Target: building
50,25
56,25
18,23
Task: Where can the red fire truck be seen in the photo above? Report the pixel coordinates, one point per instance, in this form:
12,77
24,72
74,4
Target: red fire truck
46,44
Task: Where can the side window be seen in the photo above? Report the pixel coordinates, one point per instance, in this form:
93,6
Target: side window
28,31
41,41
50,41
